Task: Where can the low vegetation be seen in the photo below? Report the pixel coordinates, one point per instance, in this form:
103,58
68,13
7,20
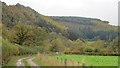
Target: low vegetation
53,61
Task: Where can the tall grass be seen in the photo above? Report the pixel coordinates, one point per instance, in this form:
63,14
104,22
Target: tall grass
47,60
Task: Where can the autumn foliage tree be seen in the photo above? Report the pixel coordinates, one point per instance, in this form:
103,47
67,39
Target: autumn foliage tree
21,33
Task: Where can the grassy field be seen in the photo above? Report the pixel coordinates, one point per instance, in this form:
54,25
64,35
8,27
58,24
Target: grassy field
58,60
92,60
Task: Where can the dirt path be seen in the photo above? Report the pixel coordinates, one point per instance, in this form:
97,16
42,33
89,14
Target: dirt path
19,63
33,65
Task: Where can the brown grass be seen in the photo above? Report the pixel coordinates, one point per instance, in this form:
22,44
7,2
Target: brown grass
52,61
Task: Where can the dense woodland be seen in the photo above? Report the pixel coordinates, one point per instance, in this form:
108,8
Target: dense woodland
25,31
88,28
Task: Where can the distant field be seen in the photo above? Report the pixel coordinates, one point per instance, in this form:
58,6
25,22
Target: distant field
92,60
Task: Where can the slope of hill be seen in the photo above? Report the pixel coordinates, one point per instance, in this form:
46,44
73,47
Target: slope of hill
77,27
13,14
88,28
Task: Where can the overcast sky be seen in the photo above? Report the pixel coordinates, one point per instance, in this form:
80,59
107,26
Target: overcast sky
102,9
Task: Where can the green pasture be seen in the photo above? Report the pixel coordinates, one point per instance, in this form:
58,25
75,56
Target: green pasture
90,60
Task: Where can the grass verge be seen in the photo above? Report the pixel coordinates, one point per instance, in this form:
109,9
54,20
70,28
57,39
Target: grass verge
25,61
37,60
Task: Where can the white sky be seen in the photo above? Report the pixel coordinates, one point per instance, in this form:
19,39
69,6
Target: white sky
102,9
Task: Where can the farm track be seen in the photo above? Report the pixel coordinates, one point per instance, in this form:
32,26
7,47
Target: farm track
20,64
